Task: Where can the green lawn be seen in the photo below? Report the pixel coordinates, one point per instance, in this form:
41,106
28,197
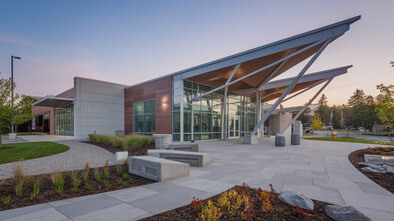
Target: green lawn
348,139
30,150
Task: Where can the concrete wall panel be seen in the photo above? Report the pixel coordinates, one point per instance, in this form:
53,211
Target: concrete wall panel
98,107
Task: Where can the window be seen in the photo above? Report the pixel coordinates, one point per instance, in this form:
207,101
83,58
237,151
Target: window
144,117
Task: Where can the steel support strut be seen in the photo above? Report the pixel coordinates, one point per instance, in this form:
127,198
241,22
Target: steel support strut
292,85
305,107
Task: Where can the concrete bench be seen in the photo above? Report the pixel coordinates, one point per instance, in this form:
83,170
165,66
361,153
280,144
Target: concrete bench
193,147
157,169
192,158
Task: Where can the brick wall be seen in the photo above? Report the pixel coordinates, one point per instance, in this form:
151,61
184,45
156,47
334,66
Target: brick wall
161,91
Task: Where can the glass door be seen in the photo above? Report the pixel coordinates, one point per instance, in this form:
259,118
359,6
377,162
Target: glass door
233,126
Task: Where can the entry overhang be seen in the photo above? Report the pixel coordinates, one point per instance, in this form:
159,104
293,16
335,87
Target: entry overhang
50,101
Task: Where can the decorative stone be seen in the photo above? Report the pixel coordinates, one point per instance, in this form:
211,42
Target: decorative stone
123,155
295,139
345,213
293,198
280,140
369,170
363,164
375,159
389,160
389,169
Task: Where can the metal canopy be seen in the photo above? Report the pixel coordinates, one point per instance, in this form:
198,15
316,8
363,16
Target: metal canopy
272,90
289,52
50,101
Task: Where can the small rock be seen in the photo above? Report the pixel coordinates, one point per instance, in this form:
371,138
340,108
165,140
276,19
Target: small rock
363,164
377,167
293,198
370,170
345,213
389,169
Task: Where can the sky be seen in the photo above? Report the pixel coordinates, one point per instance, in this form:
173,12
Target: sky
129,42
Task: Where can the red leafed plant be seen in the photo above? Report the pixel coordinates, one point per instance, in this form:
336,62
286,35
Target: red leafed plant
196,204
298,211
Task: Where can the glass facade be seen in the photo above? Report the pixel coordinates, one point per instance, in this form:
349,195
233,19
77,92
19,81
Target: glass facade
144,117
64,120
204,119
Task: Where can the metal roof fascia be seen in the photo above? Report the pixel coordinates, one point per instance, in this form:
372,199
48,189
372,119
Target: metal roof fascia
328,31
52,98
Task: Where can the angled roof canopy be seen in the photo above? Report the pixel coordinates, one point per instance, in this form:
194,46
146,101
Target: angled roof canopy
302,46
50,101
274,89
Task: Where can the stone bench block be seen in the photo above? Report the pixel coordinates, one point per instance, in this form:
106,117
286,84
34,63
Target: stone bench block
192,158
162,141
250,139
193,147
157,169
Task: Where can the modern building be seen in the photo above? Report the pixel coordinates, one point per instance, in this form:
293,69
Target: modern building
217,100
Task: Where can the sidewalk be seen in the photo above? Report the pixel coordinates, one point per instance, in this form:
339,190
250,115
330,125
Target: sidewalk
320,170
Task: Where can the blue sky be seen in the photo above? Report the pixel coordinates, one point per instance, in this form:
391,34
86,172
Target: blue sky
132,41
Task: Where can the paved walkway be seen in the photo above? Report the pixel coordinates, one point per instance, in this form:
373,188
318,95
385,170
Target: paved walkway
73,159
36,138
318,169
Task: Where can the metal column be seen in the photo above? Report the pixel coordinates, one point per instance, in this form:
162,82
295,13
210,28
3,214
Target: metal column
291,86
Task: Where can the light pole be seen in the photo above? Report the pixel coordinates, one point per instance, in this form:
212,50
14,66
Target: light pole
12,86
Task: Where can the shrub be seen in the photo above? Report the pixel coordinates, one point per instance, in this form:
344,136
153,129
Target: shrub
97,175
127,142
58,181
106,169
19,177
87,166
6,200
388,151
106,184
88,186
119,170
120,181
210,212
36,190
75,181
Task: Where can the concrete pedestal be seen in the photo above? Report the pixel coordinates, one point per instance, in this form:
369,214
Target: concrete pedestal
12,136
295,139
250,139
162,141
280,140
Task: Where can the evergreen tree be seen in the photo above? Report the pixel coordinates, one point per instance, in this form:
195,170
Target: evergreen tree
324,110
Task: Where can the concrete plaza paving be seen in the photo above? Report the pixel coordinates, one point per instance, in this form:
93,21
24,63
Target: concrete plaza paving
318,169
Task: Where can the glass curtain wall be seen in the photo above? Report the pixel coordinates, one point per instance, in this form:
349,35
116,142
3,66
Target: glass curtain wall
144,117
64,120
204,118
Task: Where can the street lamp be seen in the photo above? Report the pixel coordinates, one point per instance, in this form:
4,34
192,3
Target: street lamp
12,85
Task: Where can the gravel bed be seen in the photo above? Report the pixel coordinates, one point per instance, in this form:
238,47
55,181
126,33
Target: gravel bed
73,159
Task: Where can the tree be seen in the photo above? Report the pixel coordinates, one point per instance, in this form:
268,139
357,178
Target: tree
385,105
337,118
19,113
362,109
316,123
357,98
324,110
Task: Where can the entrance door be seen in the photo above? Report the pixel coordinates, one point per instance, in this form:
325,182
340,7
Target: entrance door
233,126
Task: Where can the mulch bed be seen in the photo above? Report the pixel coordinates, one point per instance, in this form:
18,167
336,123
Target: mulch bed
138,151
279,211
384,180
48,194
6,148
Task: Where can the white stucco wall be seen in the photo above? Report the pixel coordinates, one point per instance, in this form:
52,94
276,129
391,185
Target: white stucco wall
98,107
